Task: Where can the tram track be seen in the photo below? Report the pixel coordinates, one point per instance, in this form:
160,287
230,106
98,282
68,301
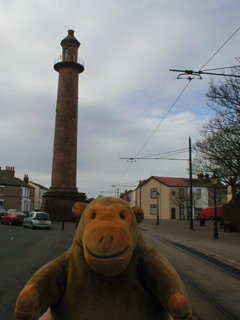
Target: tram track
226,269
234,272
223,310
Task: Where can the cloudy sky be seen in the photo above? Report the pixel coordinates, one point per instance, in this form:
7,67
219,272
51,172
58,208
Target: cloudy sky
126,94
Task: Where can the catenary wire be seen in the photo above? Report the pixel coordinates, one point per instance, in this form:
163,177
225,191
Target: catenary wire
175,103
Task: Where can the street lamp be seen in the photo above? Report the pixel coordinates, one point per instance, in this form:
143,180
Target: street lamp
157,195
214,181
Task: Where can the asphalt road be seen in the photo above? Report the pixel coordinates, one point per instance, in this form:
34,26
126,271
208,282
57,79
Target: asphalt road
23,252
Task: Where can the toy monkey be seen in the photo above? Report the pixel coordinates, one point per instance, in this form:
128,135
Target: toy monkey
109,273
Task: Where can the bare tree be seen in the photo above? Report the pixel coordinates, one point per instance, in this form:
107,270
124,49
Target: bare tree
180,199
219,148
224,97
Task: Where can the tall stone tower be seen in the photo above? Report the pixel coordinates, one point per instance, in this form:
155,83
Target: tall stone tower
63,193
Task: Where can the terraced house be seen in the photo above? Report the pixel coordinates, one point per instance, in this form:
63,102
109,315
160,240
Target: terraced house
14,192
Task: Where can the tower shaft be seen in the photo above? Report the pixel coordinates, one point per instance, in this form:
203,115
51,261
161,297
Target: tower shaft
65,140
62,195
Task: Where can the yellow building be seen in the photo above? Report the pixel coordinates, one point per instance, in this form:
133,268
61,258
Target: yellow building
163,197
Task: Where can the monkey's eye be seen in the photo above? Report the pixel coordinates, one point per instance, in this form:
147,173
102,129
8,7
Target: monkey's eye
93,216
122,216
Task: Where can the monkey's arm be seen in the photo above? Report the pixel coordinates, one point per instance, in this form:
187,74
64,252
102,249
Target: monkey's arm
165,284
44,289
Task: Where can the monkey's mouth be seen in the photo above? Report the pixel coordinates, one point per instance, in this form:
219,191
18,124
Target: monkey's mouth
107,257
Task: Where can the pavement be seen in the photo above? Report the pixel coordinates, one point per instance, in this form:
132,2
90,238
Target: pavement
226,248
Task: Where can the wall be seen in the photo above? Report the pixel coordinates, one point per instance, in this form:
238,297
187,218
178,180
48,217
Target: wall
165,206
175,202
146,201
203,202
11,197
231,212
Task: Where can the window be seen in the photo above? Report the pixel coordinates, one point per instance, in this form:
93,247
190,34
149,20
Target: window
199,195
65,54
181,193
198,211
154,193
153,209
181,210
66,148
1,191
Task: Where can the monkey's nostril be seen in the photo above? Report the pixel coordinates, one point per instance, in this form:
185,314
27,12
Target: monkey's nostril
107,239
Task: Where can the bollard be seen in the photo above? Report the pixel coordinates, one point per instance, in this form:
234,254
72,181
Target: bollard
63,224
76,223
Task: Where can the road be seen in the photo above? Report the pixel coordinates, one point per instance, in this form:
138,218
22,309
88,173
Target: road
23,252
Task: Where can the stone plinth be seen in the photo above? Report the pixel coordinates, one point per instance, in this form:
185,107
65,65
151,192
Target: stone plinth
59,204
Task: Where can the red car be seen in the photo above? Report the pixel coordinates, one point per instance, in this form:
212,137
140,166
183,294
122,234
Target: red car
209,213
13,216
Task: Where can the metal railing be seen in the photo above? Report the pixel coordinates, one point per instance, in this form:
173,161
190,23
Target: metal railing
68,59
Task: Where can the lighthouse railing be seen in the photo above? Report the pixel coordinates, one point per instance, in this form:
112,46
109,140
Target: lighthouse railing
68,59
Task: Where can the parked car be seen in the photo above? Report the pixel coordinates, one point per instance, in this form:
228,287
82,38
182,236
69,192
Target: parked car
37,220
2,212
209,213
13,216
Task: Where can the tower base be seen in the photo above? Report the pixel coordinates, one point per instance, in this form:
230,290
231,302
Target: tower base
58,204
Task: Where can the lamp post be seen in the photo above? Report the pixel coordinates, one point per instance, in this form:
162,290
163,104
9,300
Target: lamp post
157,195
214,181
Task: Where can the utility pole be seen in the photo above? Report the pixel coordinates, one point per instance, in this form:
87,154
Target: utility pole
140,194
190,178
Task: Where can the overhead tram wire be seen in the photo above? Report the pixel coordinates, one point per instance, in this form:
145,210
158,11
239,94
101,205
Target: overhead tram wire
220,47
168,152
197,74
213,69
176,170
164,154
175,103
131,159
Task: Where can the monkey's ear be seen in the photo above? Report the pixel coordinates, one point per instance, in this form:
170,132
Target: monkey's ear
78,208
138,213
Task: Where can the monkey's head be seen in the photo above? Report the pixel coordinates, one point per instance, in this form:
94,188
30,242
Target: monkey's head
108,232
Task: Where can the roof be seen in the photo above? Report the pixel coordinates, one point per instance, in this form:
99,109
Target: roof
183,182
70,39
171,182
198,183
207,183
38,185
6,179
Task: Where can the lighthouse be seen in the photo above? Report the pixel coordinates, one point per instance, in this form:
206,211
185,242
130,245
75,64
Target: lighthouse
63,192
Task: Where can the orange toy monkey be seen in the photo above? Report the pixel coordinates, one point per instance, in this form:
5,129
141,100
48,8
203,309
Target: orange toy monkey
109,273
